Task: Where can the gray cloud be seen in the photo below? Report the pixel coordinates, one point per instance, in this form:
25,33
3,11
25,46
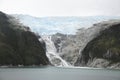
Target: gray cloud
62,7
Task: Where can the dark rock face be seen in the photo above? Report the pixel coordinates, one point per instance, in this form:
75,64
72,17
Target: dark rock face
19,46
58,38
66,46
103,50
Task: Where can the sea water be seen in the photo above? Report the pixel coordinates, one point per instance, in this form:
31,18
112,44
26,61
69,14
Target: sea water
58,73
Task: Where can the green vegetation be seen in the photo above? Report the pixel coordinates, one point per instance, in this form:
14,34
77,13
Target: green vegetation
105,46
19,46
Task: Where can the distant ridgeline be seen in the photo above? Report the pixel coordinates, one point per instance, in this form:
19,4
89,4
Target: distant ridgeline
18,45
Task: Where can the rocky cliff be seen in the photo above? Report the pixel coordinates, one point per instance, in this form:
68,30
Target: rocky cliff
18,45
66,46
103,49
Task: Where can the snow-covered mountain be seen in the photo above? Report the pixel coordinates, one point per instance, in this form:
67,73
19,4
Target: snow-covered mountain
65,25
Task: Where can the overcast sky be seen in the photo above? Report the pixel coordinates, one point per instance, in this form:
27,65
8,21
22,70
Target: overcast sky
61,7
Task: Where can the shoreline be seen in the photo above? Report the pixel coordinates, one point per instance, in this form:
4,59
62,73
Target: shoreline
47,66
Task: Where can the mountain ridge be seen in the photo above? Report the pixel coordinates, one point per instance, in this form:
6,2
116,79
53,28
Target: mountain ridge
18,45
103,50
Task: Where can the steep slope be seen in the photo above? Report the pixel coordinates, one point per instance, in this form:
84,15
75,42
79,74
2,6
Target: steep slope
18,45
104,49
70,46
66,46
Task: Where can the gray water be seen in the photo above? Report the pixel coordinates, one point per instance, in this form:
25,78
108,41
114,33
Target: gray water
55,73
